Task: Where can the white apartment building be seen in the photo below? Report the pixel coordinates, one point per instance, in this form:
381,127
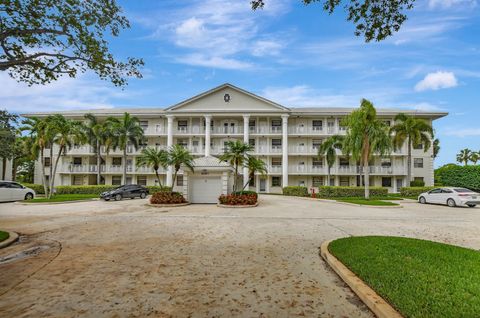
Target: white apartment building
287,139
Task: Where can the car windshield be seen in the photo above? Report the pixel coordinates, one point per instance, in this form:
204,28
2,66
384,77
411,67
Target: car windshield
463,190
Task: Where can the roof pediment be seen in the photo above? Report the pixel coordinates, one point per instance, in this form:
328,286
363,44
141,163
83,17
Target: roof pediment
227,98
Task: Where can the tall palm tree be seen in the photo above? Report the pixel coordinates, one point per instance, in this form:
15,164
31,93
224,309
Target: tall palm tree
254,165
179,156
236,154
93,133
474,157
154,158
37,130
66,133
413,131
436,147
366,135
126,130
328,149
464,156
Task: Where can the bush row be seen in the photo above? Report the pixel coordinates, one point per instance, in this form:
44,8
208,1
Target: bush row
417,183
339,192
297,191
38,188
459,176
89,189
167,197
238,199
413,191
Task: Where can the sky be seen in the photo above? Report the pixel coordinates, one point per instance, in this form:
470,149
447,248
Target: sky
296,55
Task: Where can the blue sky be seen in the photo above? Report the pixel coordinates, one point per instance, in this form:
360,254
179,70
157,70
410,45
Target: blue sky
293,54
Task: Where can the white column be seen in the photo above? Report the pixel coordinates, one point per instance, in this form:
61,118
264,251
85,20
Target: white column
170,144
208,119
284,150
246,119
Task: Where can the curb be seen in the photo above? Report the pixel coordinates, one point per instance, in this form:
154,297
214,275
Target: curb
61,202
237,206
377,304
12,237
399,206
167,205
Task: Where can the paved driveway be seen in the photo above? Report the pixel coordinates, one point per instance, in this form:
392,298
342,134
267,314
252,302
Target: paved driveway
118,259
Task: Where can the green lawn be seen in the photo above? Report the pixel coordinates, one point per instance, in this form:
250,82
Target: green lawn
64,197
419,278
4,236
362,201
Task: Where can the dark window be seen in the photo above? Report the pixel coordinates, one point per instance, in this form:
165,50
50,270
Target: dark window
117,161
386,162
317,181
317,124
77,160
251,142
386,182
317,162
276,142
142,180
344,181
276,162
418,162
435,191
276,182
447,191
46,161
344,162
116,180
251,123
276,123
180,181
463,190
144,124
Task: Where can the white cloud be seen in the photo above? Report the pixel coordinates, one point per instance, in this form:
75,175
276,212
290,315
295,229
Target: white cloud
266,47
437,80
446,4
214,62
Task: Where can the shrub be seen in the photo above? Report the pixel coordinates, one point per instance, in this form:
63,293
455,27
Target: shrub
339,192
245,192
297,191
459,176
414,191
97,189
417,183
167,197
238,199
38,188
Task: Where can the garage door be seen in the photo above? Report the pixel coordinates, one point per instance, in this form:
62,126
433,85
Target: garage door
205,189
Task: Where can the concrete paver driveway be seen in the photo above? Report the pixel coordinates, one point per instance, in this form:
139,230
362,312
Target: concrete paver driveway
109,259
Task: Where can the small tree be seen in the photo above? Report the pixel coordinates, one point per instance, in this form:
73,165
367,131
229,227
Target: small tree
236,155
464,156
366,135
328,149
254,165
151,157
178,156
436,147
8,133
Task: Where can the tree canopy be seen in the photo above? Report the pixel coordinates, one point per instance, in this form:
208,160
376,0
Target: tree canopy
374,20
41,40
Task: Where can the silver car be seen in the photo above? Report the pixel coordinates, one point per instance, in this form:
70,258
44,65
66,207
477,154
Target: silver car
13,191
451,196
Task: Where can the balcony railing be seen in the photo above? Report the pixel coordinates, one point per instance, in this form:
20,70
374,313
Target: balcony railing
307,169
275,169
306,130
80,150
227,130
154,130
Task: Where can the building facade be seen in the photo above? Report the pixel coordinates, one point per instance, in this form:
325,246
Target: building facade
286,139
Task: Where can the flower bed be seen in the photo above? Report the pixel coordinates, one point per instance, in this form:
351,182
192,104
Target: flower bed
167,197
239,199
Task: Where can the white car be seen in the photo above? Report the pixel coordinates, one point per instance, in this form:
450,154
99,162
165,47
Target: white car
13,191
451,196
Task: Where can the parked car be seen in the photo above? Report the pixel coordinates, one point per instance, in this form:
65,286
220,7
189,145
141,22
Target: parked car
451,196
13,191
125,191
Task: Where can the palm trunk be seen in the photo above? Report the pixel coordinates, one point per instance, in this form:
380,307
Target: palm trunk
44,178
328,175
174,178
4,168
54,171
51,161
14,169
367,179
158,178
98,162
124,177
409,163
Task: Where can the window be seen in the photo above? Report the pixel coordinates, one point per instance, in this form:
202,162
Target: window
14,185
77,180
251,142
317,162
316,143
251,123
182,142
434,191
3,185
142,180
317,181
386,162
301,183
47,161
180,181
276,143
317,125
77,160
344,162
276,182
144,124
386,182
116,180
182,125
117,161
276,123
344,181
418,179
418,147
418,162
276,162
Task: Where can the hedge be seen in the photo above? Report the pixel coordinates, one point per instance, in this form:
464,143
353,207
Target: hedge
413,191
167,197
97,189
38,188
339,192
459,176
417,183
297,191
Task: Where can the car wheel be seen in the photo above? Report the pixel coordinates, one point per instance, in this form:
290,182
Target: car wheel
451,203
471,205
143,195
107,199
422,200
29,196
118,197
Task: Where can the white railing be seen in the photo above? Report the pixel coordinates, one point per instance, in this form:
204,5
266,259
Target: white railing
157,130
307,169
306,130
85,149
375,170
228,130
275,169
77,168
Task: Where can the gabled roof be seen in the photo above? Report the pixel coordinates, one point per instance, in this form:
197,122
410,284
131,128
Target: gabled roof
218,88
209,162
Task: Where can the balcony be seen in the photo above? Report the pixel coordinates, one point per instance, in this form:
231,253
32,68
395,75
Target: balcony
274,169
265,130
306,130
230,130
373,170
307,169
80,150
157,130
80,168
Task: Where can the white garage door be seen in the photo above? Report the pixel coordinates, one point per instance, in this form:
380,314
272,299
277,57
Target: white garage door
205,189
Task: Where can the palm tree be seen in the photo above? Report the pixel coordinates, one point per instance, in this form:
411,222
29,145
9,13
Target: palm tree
236,154
328,148
464,156
436,147
366,135
254,165
126,130
414,131
178,156
154,158
37,128
474,157
93,133
66,133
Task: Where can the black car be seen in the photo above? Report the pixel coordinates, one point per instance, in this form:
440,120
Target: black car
126,191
